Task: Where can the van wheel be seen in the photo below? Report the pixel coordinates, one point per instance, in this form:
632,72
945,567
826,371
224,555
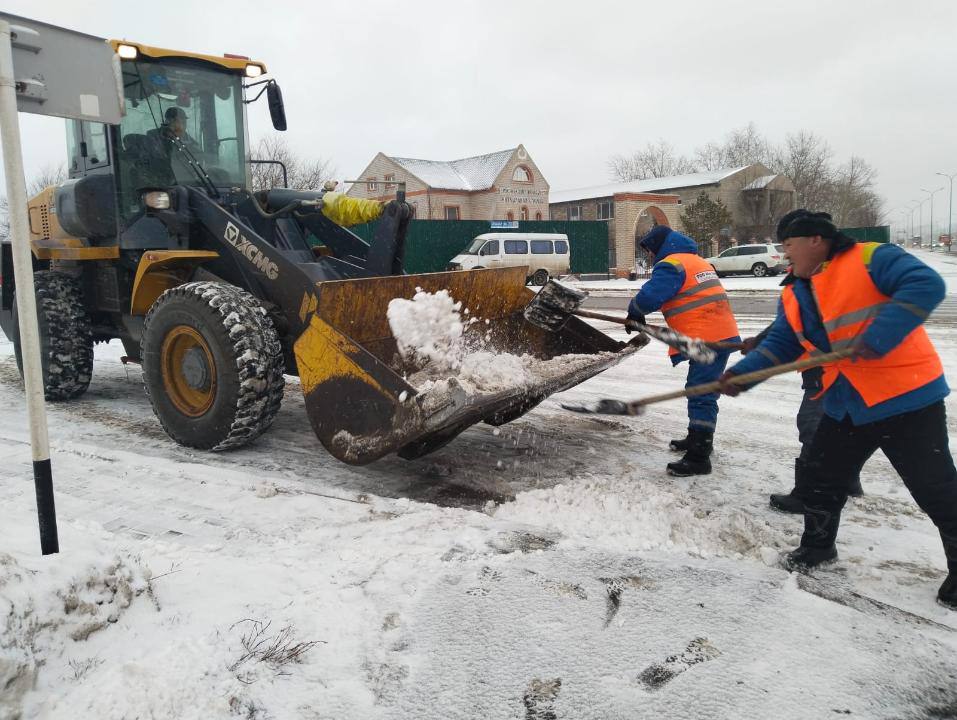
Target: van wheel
759,269
540,277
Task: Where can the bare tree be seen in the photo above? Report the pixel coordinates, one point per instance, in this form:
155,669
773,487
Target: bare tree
746,146
47,176
853,201
653,161
304,173
805,158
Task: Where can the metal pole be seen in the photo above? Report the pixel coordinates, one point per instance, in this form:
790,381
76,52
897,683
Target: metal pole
932,193
26,299
950,211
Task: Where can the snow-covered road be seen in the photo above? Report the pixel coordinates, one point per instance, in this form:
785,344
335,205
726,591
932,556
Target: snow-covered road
546,570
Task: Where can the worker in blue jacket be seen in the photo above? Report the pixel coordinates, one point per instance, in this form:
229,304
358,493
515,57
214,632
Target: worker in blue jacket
687,290
872,299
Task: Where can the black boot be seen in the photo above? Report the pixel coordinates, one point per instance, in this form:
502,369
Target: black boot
679,445
817,542
696,460
805,558
793,502
947,595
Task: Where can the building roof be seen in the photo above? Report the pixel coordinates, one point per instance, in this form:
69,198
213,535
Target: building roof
473,173
760,183
672,182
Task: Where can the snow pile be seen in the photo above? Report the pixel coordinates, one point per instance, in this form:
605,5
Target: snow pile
631,514
427,327
44,612
429,331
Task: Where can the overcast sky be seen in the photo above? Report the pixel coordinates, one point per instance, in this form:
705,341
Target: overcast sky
576,83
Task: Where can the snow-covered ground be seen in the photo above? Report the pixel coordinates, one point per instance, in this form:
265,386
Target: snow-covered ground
546,569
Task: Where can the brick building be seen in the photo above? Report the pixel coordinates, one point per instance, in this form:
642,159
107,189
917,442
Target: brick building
505,185
754,195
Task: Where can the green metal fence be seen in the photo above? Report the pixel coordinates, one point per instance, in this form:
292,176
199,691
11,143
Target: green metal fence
430,244
876,233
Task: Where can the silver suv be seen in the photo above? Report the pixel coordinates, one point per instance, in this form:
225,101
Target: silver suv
757,260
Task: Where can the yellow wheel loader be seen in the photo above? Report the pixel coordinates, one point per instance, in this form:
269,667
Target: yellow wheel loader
157,239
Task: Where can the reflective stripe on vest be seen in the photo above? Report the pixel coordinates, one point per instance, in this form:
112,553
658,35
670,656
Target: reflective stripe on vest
848,301
700,308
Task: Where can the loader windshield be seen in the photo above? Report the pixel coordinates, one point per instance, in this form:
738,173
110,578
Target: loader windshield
174,107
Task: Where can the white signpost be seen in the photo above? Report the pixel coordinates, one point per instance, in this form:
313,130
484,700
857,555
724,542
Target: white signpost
46,70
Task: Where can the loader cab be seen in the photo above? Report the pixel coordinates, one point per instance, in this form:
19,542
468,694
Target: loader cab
184,124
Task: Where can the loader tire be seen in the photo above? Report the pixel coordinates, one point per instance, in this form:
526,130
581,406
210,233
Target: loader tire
66,337
212,365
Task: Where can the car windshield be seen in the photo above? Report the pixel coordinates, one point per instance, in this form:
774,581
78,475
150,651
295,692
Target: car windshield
476,245
176,110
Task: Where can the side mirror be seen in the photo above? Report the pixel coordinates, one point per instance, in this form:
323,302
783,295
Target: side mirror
277,110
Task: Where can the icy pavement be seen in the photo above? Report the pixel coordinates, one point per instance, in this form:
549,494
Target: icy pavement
547,569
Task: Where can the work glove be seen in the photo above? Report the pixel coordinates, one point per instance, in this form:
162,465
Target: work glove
726,387
748,344
635,316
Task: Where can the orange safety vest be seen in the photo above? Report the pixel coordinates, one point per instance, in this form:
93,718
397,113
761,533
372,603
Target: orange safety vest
848,301
700,309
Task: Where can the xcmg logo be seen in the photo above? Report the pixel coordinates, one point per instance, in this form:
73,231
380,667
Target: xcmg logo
250,252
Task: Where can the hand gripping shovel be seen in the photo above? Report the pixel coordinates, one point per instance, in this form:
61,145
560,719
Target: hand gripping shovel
608,406
556,302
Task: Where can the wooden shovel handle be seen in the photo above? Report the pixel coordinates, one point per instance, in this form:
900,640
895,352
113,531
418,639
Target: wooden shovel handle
745,379
653,329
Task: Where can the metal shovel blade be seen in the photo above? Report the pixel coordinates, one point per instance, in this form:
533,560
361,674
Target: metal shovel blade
553,305
604,406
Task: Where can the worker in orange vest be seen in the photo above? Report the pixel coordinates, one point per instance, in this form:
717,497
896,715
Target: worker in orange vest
871,298
691,298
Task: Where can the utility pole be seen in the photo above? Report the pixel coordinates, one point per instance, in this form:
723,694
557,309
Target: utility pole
950,211
932,193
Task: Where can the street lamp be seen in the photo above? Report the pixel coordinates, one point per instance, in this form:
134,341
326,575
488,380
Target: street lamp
932,193
950,213
920,222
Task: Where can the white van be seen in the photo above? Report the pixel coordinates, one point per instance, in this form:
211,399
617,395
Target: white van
544,254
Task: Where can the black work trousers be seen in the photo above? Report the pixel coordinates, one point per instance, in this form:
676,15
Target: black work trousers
916,445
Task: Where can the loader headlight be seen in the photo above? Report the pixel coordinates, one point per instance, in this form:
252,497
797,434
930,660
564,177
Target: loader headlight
157,200
127,52
253,71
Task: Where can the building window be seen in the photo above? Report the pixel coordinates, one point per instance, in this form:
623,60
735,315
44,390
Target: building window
524,213
538,216
451,212
373,185
575,212
522,174
606,210
390,178
509,215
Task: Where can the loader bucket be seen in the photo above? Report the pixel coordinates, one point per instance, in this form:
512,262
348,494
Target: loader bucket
364,401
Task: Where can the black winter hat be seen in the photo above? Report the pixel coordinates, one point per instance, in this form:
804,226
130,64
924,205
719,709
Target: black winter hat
806,224
786,220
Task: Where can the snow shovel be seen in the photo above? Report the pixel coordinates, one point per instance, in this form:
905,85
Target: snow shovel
556,302
609,406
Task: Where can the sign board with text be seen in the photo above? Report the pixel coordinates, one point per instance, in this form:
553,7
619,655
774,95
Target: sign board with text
64,73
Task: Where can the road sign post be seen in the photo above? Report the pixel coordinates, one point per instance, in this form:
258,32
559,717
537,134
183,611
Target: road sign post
67,74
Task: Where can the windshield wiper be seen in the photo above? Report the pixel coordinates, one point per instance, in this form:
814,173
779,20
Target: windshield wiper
195,165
